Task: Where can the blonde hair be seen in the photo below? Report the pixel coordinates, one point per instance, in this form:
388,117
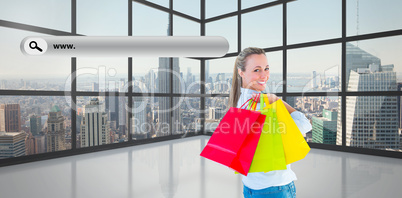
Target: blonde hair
240,63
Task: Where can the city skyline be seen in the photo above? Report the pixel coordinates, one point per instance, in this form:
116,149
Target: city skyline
305,72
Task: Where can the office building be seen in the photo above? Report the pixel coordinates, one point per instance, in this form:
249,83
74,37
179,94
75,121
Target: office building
12,117
95,86
372,121
94,125
112,108
324,127
12,144
164,102
2,120
35,124
314,84
358,58
55,132
140,125
399,102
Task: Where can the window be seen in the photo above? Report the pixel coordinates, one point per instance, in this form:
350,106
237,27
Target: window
306,70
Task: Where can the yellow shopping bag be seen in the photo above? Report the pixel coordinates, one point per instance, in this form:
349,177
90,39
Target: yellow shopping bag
294,144
269,154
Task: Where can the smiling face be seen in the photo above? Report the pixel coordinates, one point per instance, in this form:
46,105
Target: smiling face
256,75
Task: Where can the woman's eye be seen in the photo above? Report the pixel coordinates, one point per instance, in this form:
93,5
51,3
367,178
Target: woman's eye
266,69
257,70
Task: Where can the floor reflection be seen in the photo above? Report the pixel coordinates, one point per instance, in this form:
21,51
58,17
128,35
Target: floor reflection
175,169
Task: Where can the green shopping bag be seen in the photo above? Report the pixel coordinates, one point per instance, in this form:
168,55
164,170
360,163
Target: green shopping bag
269,154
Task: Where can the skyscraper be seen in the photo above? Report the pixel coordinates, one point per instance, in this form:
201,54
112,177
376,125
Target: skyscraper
220,82
291,101
372,121
189,76
2,120
94,125
35,124
150,81
112,108
95,86
164,87
399,102
140,126
314,83
207,71
30,147
358,58
324,128
12,117
55,133
12,144
122,116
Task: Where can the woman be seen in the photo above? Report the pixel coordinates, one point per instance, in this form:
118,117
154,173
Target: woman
250,75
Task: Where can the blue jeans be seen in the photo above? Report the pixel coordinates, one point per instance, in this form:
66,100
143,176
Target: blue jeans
285,191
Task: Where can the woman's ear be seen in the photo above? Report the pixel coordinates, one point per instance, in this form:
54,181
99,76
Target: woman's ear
240,72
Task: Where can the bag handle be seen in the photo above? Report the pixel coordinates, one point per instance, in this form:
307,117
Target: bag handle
264,99
248,101
252,105
245,103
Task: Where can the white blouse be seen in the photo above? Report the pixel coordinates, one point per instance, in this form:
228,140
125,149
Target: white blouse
263,180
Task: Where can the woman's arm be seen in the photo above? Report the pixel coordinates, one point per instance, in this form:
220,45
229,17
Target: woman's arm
273,98
288,107
299,118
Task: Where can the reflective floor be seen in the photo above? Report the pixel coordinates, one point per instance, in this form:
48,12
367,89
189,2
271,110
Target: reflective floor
174,169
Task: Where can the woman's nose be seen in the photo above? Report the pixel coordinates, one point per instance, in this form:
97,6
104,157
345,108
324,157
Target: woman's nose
265,74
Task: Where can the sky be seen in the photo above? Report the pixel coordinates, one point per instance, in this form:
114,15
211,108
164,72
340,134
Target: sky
308,20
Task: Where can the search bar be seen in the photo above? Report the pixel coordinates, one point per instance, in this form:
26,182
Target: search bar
125,46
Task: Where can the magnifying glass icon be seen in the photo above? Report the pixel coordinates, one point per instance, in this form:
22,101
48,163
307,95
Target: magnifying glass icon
34,45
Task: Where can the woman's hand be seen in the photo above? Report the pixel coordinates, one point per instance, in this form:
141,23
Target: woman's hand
271,97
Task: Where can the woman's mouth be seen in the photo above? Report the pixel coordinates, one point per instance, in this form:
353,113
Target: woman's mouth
261,82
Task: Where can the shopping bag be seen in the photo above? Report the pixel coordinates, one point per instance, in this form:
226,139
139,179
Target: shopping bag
294,144
269,154
234,141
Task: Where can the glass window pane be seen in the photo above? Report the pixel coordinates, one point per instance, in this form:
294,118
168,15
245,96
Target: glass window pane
246,4
164,3
219,74
215,109
373,122
374,65
186,115
41,124
314,69
101,120
275,81
144,25
314,20
185,27
102,18
187,80
20,72
102,74
225,27
53,14
152,75
373,16
262,28
191,8
215,8
324,113
151,117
